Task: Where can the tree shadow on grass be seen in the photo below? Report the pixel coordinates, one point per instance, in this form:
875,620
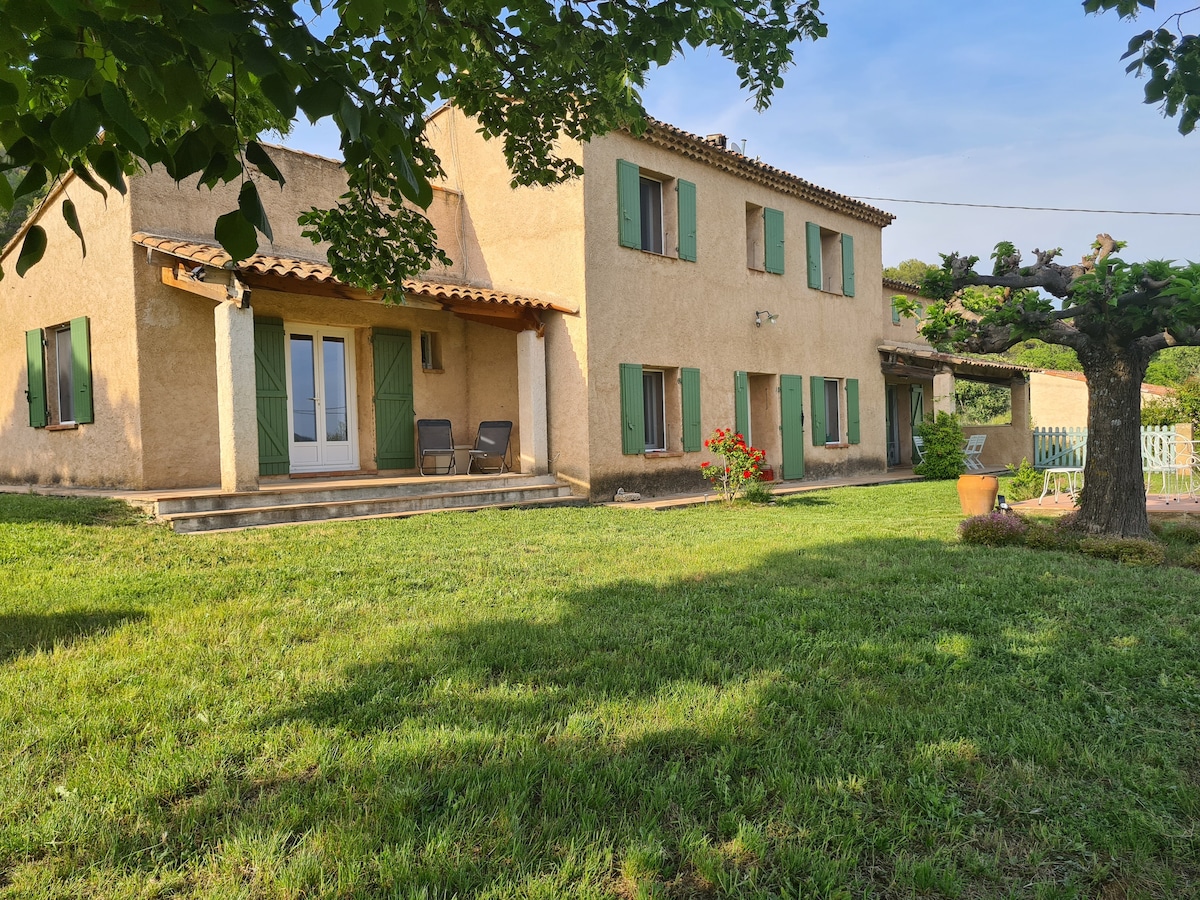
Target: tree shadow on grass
848,717
27,633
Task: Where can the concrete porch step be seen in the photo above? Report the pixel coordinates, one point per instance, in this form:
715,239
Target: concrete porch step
292,507
290,493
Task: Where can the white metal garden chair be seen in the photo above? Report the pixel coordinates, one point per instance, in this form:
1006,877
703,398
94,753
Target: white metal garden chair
972,450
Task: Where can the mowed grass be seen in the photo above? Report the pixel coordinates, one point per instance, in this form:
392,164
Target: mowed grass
830,697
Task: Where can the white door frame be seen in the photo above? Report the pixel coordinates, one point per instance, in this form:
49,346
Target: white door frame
323,455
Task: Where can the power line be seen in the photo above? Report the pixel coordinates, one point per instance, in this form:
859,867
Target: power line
1110,212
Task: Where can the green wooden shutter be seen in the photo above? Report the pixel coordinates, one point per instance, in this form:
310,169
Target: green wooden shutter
81,370
629,204
270,379
35,368
817,385
690,381
852,425
394,417
847,265
741,405
687,220
791,407
895,312
633,410
812,245
773,240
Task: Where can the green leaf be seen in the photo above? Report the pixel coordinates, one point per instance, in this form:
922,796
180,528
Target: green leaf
76,126
32,249
236,234
281,93
73,67
122,118
258,156
6,195
72,220
85,175
250,206
320,99
108,166
34,181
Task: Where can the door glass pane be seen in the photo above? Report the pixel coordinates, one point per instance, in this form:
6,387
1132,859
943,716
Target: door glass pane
337,416
304,389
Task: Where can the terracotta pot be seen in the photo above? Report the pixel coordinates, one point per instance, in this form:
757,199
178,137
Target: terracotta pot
977,493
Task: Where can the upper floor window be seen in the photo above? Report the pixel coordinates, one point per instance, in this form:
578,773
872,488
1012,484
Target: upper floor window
830,260
647,221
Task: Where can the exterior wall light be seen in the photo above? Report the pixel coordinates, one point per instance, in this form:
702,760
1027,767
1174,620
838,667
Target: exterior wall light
771,317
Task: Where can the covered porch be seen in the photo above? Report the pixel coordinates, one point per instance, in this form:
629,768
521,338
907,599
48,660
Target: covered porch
317,378
920,382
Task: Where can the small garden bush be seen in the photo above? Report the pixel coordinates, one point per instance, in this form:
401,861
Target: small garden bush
994,529
1057,534
1025,482
1130,551
1183,531
757,491
1192,560
943,436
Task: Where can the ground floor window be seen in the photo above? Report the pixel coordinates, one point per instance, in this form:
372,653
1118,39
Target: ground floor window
59,374
431,351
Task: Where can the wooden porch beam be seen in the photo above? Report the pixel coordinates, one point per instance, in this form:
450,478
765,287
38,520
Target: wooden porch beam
236,293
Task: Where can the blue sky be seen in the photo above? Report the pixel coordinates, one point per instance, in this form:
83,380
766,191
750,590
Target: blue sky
1019,103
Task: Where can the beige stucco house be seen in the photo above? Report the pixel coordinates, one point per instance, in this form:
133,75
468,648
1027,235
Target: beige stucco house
678,286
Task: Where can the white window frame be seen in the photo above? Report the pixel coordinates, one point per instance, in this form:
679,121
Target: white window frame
833,412
648,229
654,410
63,410
831,261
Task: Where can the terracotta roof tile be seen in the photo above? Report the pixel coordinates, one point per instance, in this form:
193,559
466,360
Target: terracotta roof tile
693,145
320,272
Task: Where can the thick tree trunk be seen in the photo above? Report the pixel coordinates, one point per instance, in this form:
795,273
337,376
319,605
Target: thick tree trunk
1114,499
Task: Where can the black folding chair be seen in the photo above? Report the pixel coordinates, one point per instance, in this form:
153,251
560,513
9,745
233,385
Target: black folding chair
435,438
491,450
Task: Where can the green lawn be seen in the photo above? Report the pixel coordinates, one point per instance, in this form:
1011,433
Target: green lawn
830,697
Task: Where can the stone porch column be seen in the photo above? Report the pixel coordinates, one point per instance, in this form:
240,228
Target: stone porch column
943,392
237,413
531,396
1020,417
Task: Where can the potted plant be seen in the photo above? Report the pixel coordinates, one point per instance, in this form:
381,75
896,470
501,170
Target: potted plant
944,438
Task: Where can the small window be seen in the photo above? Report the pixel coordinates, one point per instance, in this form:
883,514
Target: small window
833,425
650,194
654,408
59,374
431,351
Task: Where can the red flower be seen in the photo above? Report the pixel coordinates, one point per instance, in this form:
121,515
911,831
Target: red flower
705,465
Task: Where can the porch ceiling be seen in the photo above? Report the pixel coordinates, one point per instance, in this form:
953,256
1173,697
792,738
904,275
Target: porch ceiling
300,276
925,362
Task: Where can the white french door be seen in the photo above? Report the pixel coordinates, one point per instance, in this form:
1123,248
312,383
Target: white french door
321,403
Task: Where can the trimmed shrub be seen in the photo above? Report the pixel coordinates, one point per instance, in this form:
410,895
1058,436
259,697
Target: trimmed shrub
943,436
1043,535
1185,530
1025,482
1192,560
757,492
1130,551
995,529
